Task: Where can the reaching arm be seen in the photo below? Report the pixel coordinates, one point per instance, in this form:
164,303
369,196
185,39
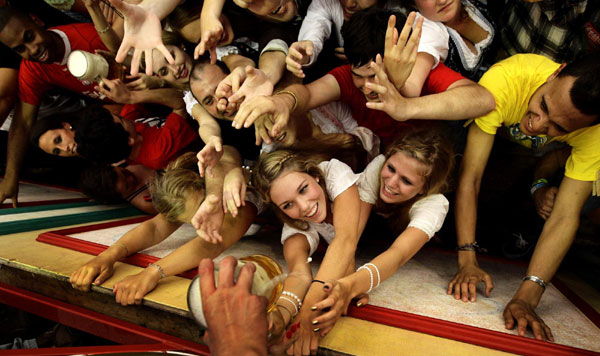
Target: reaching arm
107,33
554,242
100,268
132,289
18,139
143,31
117,91
464,99
544,196
338,262
477,152
280,106
209,217
211,29
272,63
8,91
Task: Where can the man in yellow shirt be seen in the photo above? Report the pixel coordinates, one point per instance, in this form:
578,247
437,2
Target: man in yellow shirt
537,101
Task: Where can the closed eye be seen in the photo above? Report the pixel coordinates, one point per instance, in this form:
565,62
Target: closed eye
286,206
391,168
406,181
208,100
303,189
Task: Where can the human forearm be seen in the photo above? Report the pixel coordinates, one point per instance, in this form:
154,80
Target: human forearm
458,103
160,8
272,63
212,8
168,97
556,237
551,162
234,61
108,36
18,137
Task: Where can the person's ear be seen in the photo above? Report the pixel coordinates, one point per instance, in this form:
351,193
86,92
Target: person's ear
555,74
36,20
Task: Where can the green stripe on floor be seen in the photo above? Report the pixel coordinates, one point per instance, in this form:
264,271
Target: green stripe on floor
14,227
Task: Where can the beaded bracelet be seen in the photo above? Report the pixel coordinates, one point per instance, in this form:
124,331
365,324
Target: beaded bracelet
376,270
370,274
159,268
537,280
104,30
537,184
471,247
290,294
291,301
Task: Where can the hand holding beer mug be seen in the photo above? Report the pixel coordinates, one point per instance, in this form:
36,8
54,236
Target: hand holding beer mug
235,310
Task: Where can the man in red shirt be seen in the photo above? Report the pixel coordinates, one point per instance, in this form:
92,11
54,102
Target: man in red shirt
446,94
43,67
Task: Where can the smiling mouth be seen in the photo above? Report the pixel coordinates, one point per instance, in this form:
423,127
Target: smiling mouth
42,57
183,72
313,211
74,149
388,191
282,137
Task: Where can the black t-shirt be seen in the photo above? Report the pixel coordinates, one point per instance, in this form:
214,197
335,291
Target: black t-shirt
242,139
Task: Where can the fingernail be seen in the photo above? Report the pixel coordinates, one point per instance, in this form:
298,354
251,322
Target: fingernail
316,329
313,308
359,304
288,334
295,327
315,322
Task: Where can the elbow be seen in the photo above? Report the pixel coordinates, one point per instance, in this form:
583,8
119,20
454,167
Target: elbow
488,103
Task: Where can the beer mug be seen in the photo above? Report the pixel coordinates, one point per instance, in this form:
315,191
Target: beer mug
93,66
268,282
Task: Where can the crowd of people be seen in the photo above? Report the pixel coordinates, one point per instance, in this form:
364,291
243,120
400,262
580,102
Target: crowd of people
329,113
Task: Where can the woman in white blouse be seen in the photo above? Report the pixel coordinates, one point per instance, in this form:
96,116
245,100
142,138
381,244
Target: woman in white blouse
404,185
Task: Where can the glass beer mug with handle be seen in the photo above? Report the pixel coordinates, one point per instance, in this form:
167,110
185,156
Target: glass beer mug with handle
93,67
268,282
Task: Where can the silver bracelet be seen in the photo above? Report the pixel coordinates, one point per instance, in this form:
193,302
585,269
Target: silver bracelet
537,280
159,268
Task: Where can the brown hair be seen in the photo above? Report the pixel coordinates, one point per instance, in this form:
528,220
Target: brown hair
272,165
171,189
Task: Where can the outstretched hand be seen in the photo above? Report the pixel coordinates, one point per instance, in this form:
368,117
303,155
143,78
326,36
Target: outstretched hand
209,219
211,31
142,33
464,283
299,54
525,316
401,51
210,155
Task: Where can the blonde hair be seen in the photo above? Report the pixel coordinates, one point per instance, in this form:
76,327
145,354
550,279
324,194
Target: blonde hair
272,165
171,189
